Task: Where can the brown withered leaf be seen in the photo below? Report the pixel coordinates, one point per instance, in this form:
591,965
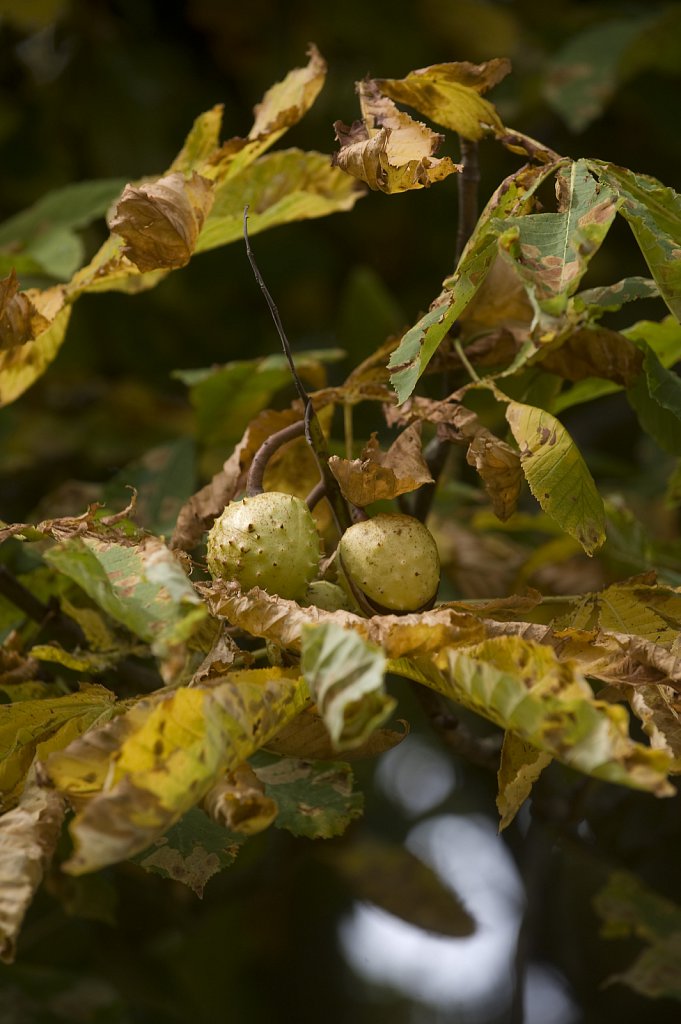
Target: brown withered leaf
500,302
450,94
285,103
499,467
596,352
281,621
388,149
380,475
659,710
160,222
307,737
20,320
28,837
218,661
496,462
239,802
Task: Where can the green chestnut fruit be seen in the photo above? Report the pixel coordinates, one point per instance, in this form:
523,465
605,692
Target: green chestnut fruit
392,561
326,595
269,540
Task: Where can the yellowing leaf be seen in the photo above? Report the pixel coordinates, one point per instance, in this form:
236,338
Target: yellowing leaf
345,677
281,187
28,837
133,780
34,728
287,101
521,765
388,149
450,94
551,251
558,475
380,475
21,365
160,221
523,686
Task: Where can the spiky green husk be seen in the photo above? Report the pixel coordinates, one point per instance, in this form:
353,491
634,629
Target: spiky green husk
393,560
268,541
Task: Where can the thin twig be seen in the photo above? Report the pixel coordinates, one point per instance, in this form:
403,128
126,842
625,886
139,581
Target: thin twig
254,483
482,751
464,360
313,428
468,182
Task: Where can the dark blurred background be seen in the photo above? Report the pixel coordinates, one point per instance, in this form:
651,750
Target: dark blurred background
100,89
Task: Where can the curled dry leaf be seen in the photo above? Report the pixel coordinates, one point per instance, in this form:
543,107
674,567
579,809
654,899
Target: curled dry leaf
20,321
388,149
282,622
520,767
239,802
499,467
377,475
659,709
160,222
451,94
28,837
285,103
596,352
496,462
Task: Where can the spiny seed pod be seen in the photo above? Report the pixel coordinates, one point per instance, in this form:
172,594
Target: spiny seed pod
392,560
268,541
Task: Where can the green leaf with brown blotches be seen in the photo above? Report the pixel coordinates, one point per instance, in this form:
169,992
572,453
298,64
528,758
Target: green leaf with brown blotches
33,728
315,800
344,674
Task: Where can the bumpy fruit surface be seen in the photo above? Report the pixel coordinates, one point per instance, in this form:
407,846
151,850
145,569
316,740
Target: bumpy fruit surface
268,541
393,560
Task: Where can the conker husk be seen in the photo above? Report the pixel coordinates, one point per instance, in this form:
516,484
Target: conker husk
269,540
